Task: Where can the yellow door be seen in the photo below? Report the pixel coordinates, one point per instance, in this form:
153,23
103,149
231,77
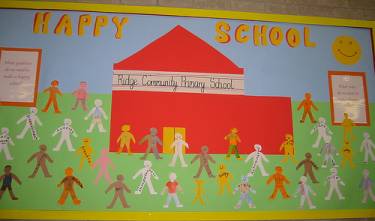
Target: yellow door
169,137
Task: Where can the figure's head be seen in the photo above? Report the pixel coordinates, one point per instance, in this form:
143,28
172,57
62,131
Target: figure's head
69,171
4,130
83,85
333,171
308,155
244,179
327,139
234,130
120,177
98,103
322,120
43,147
204,149
172,176
153,131
222,167
308,96
346,115
104,151
258,147
125,127
288,137
199,182
67,122
366,135
178,136
278,169
7,169
86,141
303,179
33,110
147,164
54,83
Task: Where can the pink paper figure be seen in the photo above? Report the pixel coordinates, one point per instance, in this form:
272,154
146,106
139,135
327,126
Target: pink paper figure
81,95
103,162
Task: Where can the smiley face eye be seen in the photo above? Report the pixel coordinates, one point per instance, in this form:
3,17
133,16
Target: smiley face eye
350,42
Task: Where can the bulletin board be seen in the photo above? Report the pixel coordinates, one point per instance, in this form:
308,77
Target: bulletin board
150,113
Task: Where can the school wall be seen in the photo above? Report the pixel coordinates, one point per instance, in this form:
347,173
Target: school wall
349,9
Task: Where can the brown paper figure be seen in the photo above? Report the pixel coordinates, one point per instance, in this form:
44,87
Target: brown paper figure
308,164
41,157
68,183
153,140
203,157
7,178
119,186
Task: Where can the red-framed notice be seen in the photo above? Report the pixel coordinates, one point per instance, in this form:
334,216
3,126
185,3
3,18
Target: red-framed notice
348,94
19,76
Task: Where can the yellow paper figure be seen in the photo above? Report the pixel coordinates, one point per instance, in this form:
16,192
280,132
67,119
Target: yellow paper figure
85,151
288,147
125,138
223,178
199,191
347,155
348,124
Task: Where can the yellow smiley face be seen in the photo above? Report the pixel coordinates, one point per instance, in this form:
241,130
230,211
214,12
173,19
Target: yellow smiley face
346,50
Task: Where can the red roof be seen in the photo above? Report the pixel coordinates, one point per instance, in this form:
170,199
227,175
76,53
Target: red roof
181,51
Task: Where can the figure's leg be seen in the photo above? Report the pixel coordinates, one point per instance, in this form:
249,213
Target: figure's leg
107,177
69,144
371,155
76,201
176,200
81,162
371,194
155,152
236,152
262,170
56,106
182,160
150,187
45,170
309,202
92,125
121,147
284,193
7,153
201,200
114,199
23,132
352,165
274,193
58,146
365,196
45,109
341,197
228,187
166,205
311,117
302,202
128,147
312,176
366,157
84,105
123,200
221,188
100,174
1,193
76,104
35,170
63,197
141,186
12,196
199,171
100,126
303,116
239,203
208,170
230,149
146,153
173,162
329,194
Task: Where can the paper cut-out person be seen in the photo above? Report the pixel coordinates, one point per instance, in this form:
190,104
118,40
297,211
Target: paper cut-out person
244,188
323,131
119,187
367,145
366,186
307,104
30,120
103,162
53,90
152,141
334,180
178,145
258,157
97,113
172,186
85,151
125,138
308,165
279,179
7,179
347,155
233,140
304,190
68,183
146,173
81,95
65,130
204,159
41,157
328,151
5,139
348,124
288,147
223,179
199,191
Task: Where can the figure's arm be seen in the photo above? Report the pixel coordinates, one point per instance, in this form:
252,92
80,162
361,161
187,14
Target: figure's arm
16,179
329,131
281,147
362,146
31,158
159,141
119,138
300,105
163,191
371,144
249,157
127,189
238,139
110,188
286,180
1,177
95,164
314,165
57,131
49,158
104,114
313,130
137,174
46,90
173,145
90,113
186,144
132,138
77,181
11,141
58,92
38,120
264,158
270,179
313,105
195,158
210,158
21,119
143,140
300,164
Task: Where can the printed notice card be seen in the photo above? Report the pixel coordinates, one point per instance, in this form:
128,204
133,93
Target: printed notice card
19,75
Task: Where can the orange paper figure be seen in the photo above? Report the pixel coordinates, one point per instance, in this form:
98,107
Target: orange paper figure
85,152
223,179
125,138
199,191
68,183
308,164
307,103
348,124
279,179
347,155
41,158
7,178
53,91
119,187
288,147
233,140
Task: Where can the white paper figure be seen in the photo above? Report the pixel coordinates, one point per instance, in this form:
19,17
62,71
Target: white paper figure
334,182
5,139
323,131
258,157
366,186
146,173
30,120
367,146
328,150
66,130
304,190
178,148
97,113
